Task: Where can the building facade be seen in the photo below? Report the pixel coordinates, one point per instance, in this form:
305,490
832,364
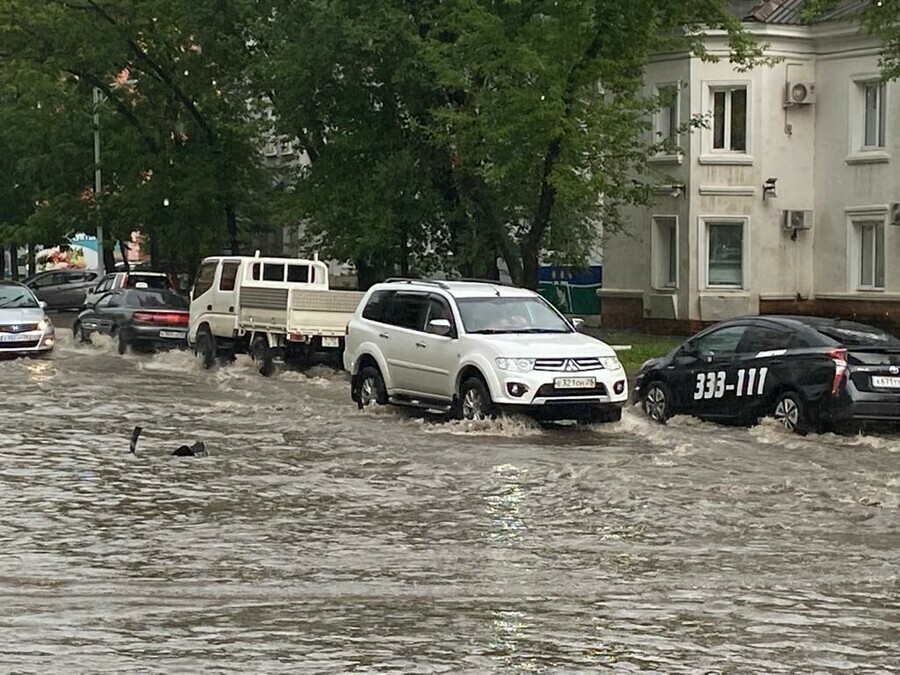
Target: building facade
787,200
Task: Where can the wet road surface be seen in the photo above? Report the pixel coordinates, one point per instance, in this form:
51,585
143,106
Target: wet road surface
317,538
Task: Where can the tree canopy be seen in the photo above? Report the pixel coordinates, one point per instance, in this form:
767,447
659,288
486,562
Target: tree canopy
437,134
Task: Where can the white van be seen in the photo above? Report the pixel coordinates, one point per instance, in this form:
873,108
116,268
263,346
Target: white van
275,309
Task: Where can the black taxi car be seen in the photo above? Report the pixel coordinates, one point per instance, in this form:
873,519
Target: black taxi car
808,372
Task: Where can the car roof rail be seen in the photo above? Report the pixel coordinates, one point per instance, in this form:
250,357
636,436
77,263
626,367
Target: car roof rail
492,282
407,280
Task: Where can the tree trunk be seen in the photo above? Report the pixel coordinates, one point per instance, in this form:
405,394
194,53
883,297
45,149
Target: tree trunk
31,261
2,264
231,222
154,252
14,262
109,261
531,254
123,249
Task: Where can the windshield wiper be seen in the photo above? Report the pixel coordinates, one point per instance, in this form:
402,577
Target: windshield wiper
487,331
539,330
8,303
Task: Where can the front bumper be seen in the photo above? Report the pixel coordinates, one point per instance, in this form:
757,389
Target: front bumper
29,342
538,388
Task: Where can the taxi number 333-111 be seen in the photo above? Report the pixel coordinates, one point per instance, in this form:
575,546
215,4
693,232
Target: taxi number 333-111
750,382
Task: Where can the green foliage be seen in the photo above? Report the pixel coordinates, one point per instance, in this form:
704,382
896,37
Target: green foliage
485,128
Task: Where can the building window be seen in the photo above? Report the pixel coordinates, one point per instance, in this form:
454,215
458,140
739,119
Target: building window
725,254
870,253
666,120
665,251
873,117
729,119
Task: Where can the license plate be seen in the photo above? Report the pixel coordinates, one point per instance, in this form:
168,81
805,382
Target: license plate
886,382
331,342
575,383
174,334
15,337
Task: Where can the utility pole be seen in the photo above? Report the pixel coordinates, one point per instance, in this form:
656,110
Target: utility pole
98,185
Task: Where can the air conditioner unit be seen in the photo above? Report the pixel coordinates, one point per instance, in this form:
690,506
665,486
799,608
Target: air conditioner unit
800,93
797,220
895,213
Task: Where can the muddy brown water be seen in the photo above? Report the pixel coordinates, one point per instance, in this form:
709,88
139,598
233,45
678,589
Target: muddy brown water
317,538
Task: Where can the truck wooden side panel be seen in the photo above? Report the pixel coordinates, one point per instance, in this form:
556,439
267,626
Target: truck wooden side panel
323,312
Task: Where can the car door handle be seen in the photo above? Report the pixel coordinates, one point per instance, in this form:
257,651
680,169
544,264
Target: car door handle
384,335
420,344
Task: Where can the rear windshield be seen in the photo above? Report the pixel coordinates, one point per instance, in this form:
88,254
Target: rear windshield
147,281
155,300
853,334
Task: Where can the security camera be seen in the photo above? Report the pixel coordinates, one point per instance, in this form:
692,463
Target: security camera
769,188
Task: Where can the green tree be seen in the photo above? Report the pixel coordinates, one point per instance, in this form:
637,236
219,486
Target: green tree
177,124
477,128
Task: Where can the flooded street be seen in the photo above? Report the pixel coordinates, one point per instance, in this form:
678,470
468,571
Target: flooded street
317,538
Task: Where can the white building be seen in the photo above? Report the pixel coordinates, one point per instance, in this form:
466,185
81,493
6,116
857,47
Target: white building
787,202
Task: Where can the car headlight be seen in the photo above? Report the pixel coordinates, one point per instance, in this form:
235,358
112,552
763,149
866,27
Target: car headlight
515,365
44,323
610,362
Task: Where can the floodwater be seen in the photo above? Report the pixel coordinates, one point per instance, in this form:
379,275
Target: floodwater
316,538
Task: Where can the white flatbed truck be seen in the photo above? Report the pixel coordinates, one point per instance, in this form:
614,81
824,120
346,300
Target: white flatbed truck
275,309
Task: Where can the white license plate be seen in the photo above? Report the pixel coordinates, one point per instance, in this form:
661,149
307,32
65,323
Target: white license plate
575,383
331,342
15,337
174,334
886,382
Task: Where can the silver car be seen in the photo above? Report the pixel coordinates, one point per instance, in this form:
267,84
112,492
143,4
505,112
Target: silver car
24,326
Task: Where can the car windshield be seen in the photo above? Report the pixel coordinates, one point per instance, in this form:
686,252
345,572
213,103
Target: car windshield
155,300
510,315
853,334
17,297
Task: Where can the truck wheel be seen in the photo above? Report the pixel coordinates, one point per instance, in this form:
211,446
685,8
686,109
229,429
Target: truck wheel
475,401
205,349
371,387
790,412
262,357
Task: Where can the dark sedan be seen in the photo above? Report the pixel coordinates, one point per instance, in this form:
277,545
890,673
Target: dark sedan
146,318
807,372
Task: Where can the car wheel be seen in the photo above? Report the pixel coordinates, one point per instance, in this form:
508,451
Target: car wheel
205,349
262,357
657,402
790,412
371,388
475,401
121,342
79,335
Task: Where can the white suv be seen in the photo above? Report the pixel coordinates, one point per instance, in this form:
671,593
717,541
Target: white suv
470,348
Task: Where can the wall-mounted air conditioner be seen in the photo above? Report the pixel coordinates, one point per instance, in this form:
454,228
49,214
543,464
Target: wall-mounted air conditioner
797,220
800,93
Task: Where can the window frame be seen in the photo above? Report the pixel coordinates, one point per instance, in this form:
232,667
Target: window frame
857,219
659,245
670,134
712,155
858,151
704,230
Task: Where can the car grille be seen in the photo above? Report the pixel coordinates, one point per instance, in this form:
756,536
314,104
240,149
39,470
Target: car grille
19,345
549,391
17,327
564,365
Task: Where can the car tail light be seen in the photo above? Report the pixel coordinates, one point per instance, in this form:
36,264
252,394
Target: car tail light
164,318
839,356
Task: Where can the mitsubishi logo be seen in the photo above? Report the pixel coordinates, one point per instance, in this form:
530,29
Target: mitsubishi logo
14,328
569,365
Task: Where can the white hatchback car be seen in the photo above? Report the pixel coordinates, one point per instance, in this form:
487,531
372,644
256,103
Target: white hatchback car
473,347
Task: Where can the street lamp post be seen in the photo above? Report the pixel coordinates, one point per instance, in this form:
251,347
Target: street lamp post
98,185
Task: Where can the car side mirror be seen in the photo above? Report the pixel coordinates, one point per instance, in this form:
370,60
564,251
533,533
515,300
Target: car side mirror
439,326
577,323
43,304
